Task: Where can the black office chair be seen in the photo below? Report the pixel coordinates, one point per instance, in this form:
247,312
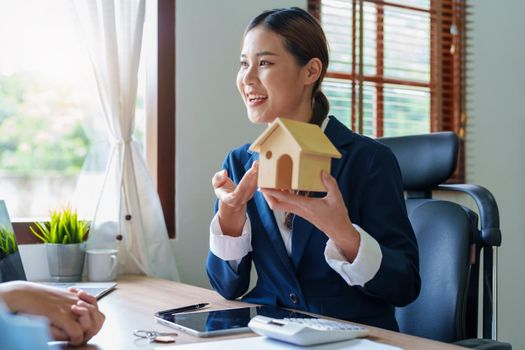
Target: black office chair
450,245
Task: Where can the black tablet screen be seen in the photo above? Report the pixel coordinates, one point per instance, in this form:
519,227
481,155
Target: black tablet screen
224,321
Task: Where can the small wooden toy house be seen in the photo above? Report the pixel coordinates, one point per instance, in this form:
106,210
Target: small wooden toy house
292,155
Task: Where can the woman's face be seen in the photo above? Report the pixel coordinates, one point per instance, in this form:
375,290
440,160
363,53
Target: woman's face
270,81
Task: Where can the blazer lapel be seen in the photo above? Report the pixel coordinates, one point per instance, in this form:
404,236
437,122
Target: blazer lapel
340,136
270,225
301,232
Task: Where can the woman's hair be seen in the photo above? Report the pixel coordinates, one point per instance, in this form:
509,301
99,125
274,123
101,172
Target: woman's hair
304,39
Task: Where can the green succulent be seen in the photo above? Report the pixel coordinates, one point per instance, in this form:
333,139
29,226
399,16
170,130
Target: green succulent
63,228
7,241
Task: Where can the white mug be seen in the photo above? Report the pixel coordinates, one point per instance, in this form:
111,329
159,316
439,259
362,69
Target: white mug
102,265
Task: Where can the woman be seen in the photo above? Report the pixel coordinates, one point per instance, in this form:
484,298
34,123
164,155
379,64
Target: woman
350,253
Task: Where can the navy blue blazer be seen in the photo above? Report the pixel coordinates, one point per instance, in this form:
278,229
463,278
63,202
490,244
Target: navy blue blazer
370,181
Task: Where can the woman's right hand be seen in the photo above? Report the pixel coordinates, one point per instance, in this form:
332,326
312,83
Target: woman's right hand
233,199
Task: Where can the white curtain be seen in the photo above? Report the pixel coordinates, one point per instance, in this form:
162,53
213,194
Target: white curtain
115,186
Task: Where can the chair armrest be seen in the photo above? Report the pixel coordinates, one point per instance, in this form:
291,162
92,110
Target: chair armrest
483,344
487,208
490,237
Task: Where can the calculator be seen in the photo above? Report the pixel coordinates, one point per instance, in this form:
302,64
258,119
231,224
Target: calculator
306,331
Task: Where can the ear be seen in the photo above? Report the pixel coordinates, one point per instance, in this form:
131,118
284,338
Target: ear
312,70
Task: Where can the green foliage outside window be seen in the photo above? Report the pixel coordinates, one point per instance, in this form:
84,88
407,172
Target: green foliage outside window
41,127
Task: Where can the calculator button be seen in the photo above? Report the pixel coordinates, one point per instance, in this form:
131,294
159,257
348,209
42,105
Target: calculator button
306,331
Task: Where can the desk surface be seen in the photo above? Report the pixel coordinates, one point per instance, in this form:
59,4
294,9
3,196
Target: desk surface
132,305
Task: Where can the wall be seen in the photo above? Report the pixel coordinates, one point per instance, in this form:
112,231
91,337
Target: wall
496,129
211,118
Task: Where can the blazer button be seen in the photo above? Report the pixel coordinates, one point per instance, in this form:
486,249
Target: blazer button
294,298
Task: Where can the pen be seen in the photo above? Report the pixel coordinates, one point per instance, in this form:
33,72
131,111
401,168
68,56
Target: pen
194,307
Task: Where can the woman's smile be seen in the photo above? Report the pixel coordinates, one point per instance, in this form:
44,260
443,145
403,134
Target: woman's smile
254,100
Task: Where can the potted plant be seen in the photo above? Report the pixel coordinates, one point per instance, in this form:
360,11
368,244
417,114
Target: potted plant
7,242
9,256
64,236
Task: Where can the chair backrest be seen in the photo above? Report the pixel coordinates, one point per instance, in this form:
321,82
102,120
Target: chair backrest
443,233
448,238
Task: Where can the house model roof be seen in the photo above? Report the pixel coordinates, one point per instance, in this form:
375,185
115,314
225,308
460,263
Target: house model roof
310,137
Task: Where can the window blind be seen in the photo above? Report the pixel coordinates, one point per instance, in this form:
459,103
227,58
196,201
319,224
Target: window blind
396,67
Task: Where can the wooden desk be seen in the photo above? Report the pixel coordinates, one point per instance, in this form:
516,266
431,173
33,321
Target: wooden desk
132,305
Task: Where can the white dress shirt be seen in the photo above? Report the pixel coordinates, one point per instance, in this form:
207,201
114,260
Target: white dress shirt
361,270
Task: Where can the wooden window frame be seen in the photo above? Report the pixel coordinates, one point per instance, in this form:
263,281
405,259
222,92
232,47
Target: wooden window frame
166,111
447,75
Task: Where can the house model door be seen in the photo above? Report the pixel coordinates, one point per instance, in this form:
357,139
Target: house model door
284,172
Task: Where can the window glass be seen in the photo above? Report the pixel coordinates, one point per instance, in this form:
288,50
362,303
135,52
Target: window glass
393,68
46,95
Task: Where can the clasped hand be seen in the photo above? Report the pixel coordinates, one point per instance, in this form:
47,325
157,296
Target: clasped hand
73,316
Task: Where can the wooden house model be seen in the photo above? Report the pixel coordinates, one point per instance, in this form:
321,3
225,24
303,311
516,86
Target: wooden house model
292,155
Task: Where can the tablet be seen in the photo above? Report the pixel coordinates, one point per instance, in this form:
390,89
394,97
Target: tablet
221,322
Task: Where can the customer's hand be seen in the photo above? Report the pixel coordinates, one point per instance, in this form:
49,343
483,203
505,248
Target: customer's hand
70,319
329,213
234,198
89,316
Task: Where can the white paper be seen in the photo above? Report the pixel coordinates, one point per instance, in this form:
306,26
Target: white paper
263,343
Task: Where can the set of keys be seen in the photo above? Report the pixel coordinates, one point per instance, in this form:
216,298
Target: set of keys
156,337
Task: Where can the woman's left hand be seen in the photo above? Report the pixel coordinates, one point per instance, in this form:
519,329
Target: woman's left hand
329,213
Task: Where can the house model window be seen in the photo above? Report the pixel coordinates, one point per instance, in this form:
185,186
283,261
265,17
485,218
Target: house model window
293,154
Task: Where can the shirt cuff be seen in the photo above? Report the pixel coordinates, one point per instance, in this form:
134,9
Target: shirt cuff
365,265
230,248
